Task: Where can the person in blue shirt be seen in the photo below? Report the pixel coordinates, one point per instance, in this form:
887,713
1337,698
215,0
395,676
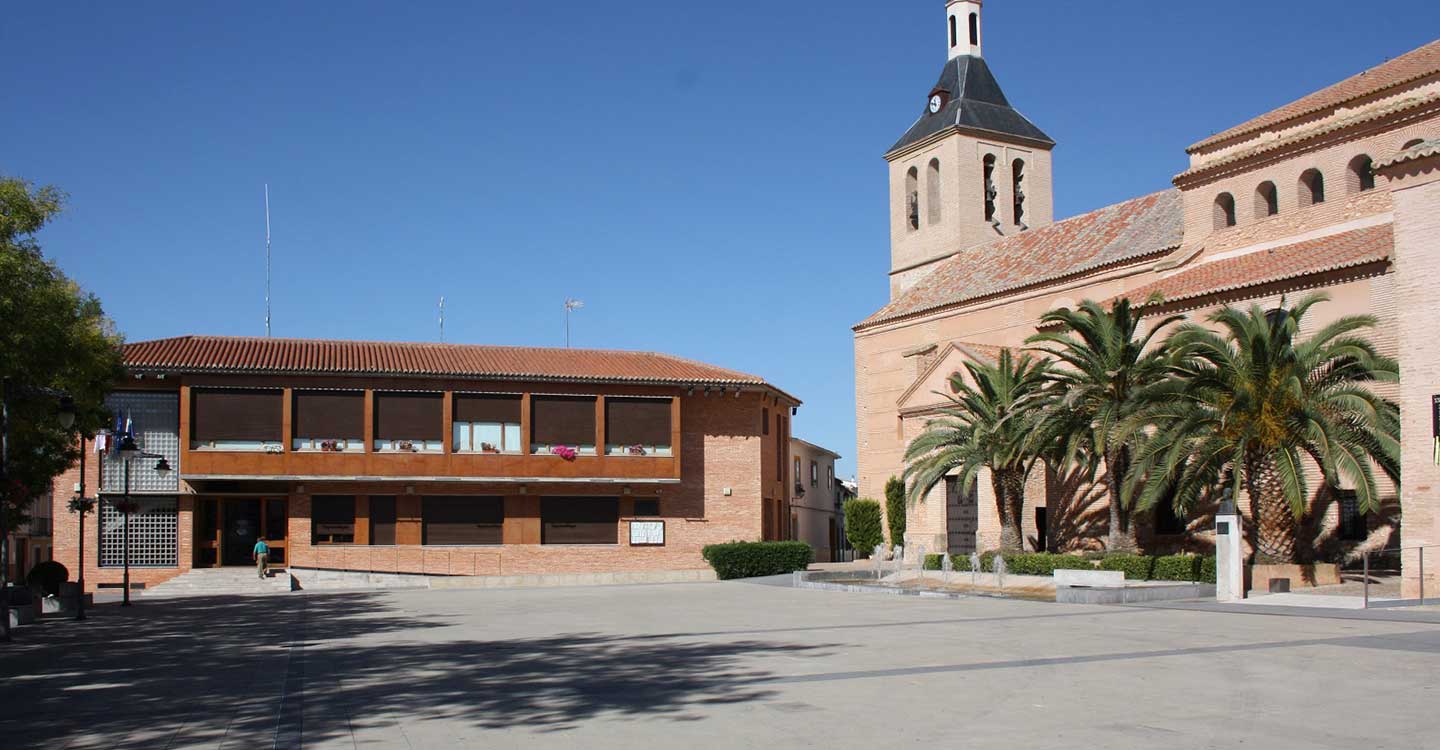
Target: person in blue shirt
261,553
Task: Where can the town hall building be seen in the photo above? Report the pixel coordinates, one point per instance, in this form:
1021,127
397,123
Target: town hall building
1327,193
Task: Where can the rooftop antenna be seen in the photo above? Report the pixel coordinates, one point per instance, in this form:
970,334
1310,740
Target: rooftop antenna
571,305
267,260
442,318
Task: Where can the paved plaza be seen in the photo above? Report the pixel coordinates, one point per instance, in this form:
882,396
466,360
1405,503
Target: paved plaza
713,665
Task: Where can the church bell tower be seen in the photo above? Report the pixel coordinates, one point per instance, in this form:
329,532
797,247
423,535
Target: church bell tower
971,170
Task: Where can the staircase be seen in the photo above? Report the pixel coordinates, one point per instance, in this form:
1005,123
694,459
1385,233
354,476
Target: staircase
221,582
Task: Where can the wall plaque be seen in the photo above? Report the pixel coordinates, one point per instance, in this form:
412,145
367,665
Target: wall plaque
647,533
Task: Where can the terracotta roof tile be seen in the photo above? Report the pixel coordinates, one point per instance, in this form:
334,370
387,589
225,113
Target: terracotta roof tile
1422,150
1125,231
1330,253
200,354
1408,67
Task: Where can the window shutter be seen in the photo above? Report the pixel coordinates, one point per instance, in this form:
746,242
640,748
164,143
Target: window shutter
234,414
563,420
579,520
462,520
329,414
637,421
409,416
485,408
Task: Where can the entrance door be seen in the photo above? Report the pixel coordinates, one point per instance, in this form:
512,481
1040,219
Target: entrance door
962,516
241,529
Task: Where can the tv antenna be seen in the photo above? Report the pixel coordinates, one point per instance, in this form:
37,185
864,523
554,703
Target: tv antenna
571,305
267,260
442,318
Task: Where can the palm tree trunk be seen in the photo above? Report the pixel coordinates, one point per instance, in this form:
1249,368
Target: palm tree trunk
1009,486
1121,537
1274,520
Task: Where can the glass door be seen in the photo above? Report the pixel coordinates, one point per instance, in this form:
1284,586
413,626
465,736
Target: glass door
276,512
242,528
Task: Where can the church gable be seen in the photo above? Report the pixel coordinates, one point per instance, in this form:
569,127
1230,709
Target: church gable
924,394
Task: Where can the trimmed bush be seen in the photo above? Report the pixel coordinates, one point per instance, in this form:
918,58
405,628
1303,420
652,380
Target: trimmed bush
1136,567
862,526
1176,568
895,510
1207,569
47,577
750,559
932,562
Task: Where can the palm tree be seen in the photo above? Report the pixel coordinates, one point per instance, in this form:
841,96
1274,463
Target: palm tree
990,425
1105,360
1245,406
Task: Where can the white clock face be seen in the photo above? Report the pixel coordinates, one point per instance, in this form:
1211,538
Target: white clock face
935,103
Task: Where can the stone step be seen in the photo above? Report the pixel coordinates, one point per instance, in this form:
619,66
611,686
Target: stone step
222,582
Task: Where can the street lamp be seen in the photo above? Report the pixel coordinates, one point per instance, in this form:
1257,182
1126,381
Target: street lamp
129,450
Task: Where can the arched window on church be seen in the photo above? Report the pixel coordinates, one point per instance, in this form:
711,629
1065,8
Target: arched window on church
1017,190
974,29
954,36
1360,176
1312,187
989,187
1412,144
1267,200
912,198
932,192
1224,211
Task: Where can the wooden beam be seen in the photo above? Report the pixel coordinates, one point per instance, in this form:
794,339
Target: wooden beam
369,420
599,425
287,417
525,423
447,421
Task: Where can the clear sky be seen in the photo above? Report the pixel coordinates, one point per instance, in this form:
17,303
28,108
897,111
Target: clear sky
707,177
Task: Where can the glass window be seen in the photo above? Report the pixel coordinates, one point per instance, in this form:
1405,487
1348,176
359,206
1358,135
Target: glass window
637,427
462,520
562,425
579,520
485,423
329,421
647,507
409,422
1353,526
332,519
814,474
153,532
236,419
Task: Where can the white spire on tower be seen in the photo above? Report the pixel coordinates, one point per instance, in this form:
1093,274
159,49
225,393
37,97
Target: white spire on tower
962,18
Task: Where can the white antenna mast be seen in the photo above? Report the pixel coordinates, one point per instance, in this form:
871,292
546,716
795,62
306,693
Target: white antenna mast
267,260
571,305
442,318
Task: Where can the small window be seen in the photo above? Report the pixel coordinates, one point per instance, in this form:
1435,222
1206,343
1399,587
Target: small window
579,520
954,35
765,421
1017,190
382,519
829,477
1224,211
912,198
974,29
1312,187
797,470
1353,525
814,474
486,424
452,520
989,187
1267,200
932,192
332,519
647,508
1360,174
1412,143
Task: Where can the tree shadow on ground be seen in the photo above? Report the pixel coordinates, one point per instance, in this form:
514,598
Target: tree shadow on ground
317,666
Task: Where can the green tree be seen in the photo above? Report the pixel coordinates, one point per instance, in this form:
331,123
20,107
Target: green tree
54,338
1246,405
990,425
895,510
862,526
1103,361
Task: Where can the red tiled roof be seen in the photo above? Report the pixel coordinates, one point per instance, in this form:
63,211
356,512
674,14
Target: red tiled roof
1125,231
1408,67
1334,252
200,354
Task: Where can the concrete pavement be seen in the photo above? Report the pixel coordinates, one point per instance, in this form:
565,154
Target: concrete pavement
710,665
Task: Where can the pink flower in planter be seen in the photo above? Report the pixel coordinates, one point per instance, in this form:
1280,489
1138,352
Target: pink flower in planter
565,452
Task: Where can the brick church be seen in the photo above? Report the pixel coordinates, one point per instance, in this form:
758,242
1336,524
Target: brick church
1338,191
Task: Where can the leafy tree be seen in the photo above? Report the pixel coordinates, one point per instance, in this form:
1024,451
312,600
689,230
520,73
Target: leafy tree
1104,359
54,339
862,526
1247,404
990,425
895,510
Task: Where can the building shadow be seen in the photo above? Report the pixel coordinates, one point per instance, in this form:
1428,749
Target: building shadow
316,666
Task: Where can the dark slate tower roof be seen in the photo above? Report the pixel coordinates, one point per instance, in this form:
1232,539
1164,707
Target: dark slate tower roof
974,102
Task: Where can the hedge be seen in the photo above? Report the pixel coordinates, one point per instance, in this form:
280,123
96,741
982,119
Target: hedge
862,526
750,559
1135,567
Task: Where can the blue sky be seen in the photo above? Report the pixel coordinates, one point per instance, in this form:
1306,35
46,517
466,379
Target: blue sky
707,177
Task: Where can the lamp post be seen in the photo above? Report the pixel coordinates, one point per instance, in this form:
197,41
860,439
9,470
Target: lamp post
128,451
82,505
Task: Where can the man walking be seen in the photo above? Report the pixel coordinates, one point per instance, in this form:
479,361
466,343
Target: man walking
261,553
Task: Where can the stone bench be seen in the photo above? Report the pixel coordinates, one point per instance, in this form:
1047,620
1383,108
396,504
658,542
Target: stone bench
1090,578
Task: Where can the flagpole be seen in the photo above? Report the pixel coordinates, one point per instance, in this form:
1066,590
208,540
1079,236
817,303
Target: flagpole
267,260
